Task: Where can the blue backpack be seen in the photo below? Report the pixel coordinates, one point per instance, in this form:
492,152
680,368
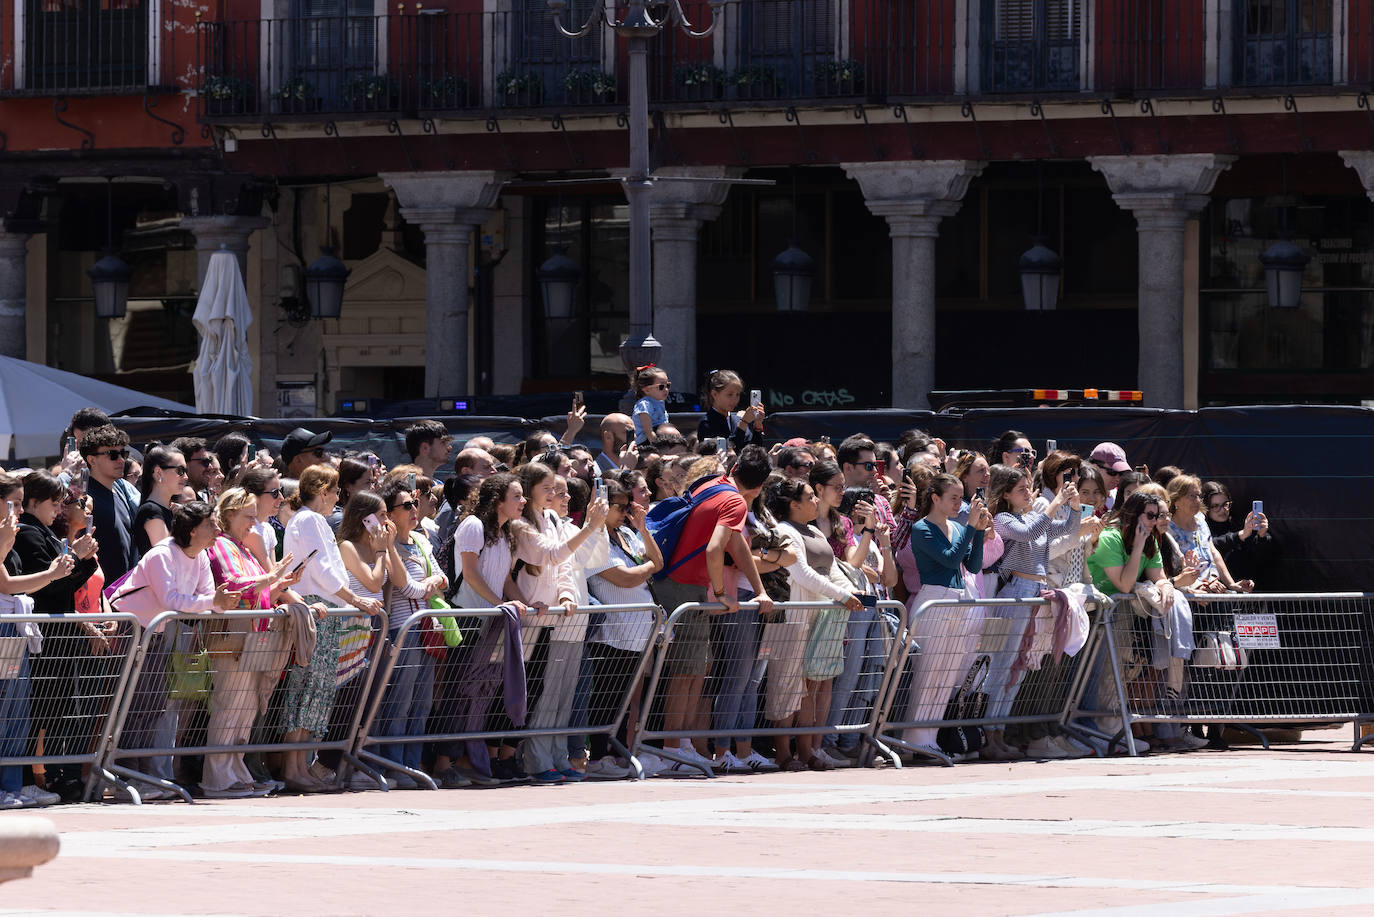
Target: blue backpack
668,518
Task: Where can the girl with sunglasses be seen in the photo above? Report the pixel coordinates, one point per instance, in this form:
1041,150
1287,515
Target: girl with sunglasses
164,475
651,391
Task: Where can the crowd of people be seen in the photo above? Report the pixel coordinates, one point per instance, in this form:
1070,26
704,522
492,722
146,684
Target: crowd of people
547,530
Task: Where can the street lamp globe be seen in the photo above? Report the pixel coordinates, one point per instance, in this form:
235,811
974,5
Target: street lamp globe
793,270
1040,268
110,285
558,278
1284,264
324,284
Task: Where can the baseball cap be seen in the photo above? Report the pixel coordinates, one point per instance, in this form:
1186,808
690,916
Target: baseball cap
1110,455
796,441
301,439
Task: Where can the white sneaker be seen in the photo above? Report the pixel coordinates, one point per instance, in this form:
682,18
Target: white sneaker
651,764
836,759
151,791
38,798
320,772
1193,741
758,764
237,791
13,801
606,769
360,781
729,764
1070,748
1043,748
691,755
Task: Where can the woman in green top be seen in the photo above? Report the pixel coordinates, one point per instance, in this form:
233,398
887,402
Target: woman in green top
1127,552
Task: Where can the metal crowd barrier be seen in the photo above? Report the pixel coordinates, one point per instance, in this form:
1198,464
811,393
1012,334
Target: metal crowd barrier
755,674
573,682
1258,660
213,685
57,705
978,643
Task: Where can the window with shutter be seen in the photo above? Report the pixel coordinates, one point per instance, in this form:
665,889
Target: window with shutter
1284,42
786,38
334,45
74,46
1031,44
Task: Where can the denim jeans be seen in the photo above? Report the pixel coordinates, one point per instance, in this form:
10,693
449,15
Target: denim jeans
405,707
14,721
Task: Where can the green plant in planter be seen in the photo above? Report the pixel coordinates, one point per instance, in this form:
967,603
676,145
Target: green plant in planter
297,89
444,90
591,83
371,91
755,75
223,88
698,75
845,74
515,82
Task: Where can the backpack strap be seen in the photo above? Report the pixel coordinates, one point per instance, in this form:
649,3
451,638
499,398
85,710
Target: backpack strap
697,499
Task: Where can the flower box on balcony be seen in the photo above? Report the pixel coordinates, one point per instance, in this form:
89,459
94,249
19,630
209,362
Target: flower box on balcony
698,82
755,82
589,87
226,95
374,92
296,96
447,91
838,78
519,88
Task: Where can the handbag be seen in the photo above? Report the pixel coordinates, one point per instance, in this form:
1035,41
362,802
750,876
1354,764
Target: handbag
1219,649
451,634
188,674
12,651
433,640
968,702
266,650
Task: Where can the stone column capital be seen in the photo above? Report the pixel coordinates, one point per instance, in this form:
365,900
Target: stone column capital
452,190
699,187
1362,161
446,224
1184,174
232,232
915,180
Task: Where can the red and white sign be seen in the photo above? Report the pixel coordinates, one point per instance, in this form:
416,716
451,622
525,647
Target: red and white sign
1258,632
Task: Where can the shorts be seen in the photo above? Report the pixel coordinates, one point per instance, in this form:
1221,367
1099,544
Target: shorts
689,653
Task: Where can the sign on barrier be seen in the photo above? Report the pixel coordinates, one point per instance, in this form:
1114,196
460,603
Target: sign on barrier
229,684
62,680
1029,680
1252,660
535,680
810,670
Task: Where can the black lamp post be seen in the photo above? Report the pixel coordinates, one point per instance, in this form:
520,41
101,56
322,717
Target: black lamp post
558,278
110,275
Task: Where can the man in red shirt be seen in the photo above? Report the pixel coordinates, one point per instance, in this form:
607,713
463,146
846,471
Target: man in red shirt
718,524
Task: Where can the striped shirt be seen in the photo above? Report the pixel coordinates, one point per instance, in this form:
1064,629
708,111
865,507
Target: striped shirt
408,597
1027,537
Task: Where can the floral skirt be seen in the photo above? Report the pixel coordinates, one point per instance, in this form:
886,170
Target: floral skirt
310,688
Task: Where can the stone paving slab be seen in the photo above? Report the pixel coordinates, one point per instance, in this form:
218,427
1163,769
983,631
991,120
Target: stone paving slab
1207,833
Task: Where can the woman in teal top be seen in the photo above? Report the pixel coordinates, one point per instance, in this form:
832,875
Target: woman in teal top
947,636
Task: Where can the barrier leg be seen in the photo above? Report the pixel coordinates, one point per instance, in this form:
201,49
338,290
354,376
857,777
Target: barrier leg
1115,660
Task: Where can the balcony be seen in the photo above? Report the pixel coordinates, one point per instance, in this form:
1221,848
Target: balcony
783,52
74,47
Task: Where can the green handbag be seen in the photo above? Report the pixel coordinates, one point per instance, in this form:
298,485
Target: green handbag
453,636
188,675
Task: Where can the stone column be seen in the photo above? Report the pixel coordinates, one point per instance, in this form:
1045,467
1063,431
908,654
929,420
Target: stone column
913,197
447,206
13,293
676,212
1163,192
229,232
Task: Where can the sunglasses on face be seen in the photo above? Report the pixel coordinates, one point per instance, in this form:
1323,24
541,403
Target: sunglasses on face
867,466
207,462
276,492
663,385
1107,471
804,466
1017,450
1153,517
116,454
179,469
407,504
